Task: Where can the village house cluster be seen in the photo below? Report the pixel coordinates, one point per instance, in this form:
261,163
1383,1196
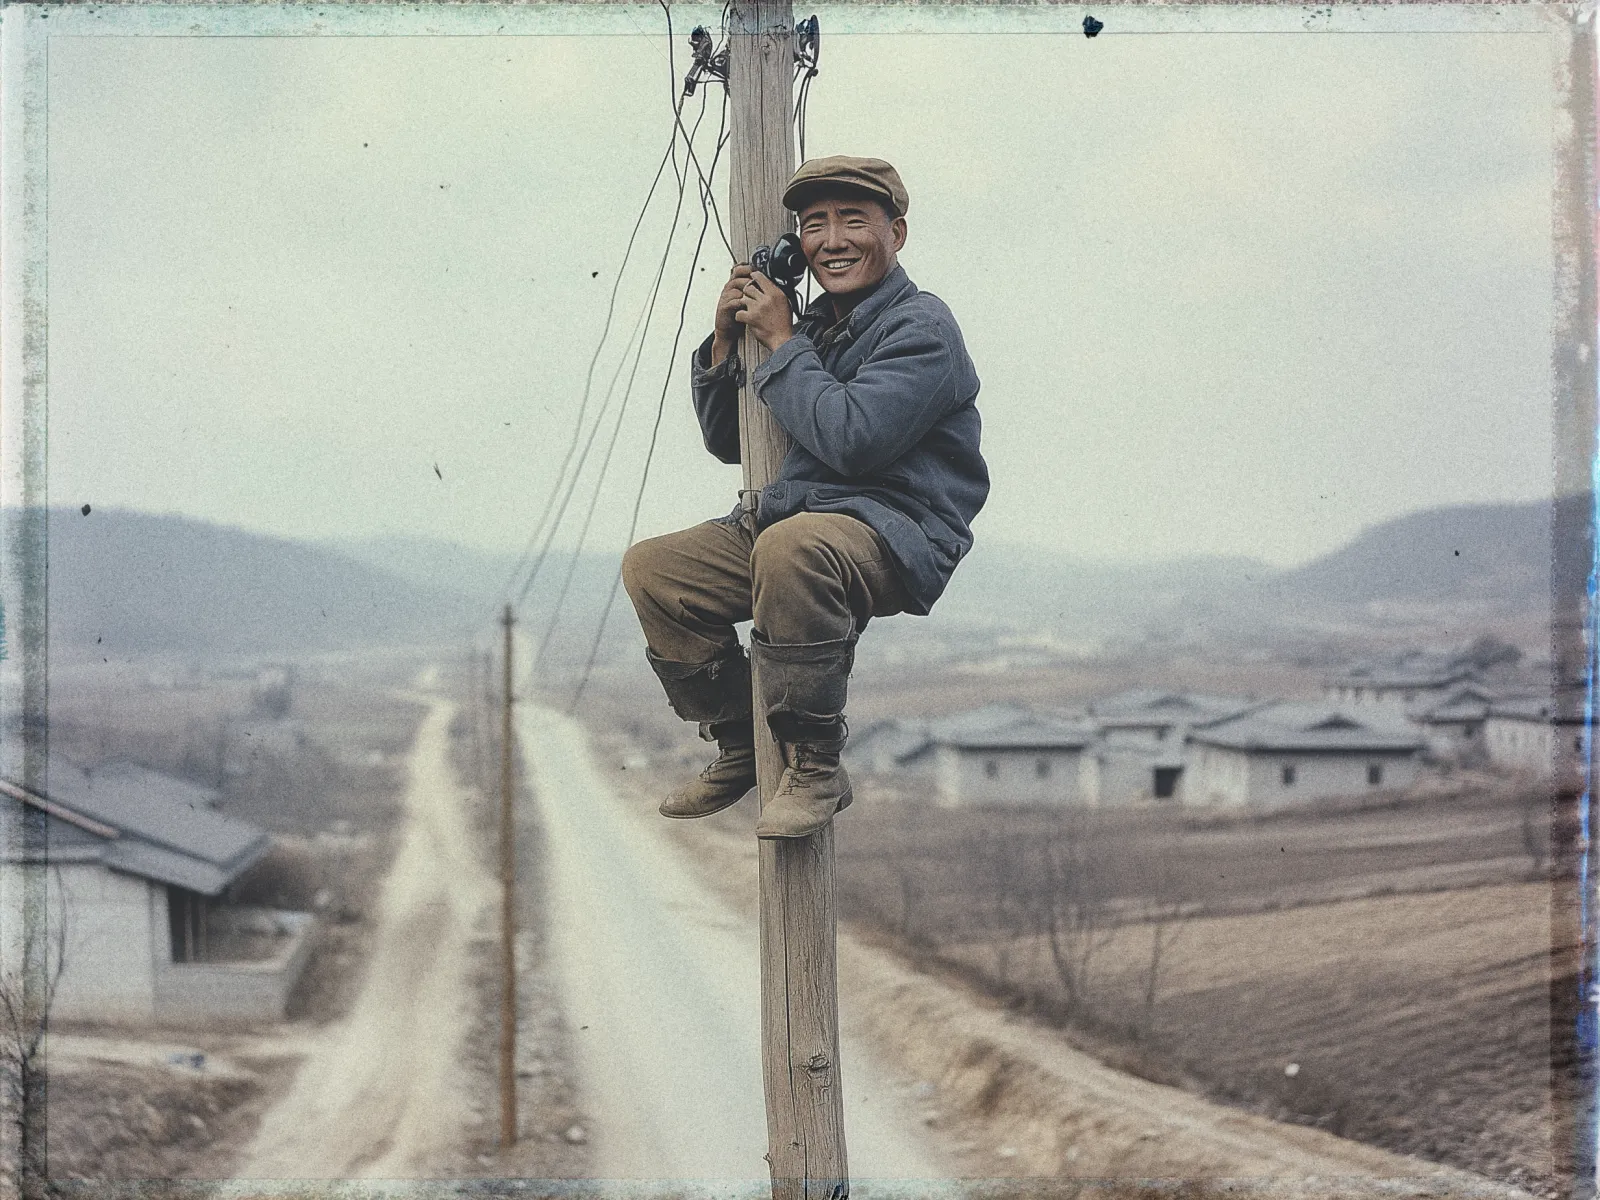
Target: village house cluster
1376,727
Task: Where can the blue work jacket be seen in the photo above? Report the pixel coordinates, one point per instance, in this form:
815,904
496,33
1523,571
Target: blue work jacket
880,407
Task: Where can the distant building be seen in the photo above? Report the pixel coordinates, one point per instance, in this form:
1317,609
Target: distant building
1001,755
1521,734
882,747
1398,684
139,864
1139,755
1453,725
1292,753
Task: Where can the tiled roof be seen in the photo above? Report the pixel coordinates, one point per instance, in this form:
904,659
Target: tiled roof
1152,706
148,824
1302,727
996,727
1421,669
1566,707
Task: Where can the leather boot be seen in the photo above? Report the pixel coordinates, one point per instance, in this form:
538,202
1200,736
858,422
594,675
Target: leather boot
803,689
717,695
725,781
814,788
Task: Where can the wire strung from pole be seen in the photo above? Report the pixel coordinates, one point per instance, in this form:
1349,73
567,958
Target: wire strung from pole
572,483
594,500
807,54
707,195
661,405
577,429
708,60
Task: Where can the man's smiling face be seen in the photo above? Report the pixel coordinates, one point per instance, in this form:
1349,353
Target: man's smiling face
850,241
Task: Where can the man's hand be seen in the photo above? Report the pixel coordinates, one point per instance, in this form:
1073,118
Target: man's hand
766,311
728,330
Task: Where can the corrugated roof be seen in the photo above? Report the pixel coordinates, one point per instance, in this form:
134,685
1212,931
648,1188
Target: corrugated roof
1302,727
166,829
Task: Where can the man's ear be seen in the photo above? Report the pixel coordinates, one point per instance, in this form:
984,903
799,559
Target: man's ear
897,229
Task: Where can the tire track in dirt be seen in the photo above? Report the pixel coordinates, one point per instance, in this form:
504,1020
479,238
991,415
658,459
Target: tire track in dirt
380,1095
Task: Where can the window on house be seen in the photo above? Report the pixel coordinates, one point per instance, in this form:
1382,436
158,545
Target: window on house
1161,734
1166,782
991,768
1042,768
1286,774
1374,774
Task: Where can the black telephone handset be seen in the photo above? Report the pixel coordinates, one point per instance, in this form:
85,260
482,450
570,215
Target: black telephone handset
784,263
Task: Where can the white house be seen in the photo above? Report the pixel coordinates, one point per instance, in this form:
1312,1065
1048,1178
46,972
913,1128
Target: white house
882,747
138,864
1525,734
1399,684
1003,755
1453,725
1291,753
1140,754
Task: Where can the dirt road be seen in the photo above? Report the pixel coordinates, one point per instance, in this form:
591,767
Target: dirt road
378,1095
660,982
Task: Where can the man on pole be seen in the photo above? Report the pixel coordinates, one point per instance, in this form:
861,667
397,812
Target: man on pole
868,517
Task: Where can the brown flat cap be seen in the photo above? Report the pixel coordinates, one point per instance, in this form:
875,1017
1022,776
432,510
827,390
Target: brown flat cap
865,174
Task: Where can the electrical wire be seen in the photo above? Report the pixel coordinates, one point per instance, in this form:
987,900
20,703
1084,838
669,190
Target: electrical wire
566,482
577,429
572,566
661,404
572,484
705,184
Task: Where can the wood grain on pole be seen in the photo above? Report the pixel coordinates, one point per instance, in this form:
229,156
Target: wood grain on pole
799,997
508,960
1574,851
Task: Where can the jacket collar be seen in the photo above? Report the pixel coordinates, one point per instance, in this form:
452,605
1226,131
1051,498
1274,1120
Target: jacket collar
894,286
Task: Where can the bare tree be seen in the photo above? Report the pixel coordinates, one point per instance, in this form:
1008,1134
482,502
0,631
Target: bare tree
1074,913
27,992
1165,905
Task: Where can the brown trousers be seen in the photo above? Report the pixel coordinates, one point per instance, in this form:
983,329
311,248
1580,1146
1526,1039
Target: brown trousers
812,577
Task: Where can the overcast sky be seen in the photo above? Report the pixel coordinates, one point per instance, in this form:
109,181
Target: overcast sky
1226,293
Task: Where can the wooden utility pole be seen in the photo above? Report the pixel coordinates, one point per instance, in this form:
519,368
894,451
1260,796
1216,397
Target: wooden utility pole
799,993
508,959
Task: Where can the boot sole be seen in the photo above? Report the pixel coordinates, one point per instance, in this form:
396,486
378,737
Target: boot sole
695,816
844,803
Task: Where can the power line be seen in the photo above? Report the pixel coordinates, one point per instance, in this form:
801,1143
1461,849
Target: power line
583,458
621,414
577,428
638,501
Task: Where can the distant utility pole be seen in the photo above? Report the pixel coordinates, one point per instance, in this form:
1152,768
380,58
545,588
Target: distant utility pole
799,990
508,960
